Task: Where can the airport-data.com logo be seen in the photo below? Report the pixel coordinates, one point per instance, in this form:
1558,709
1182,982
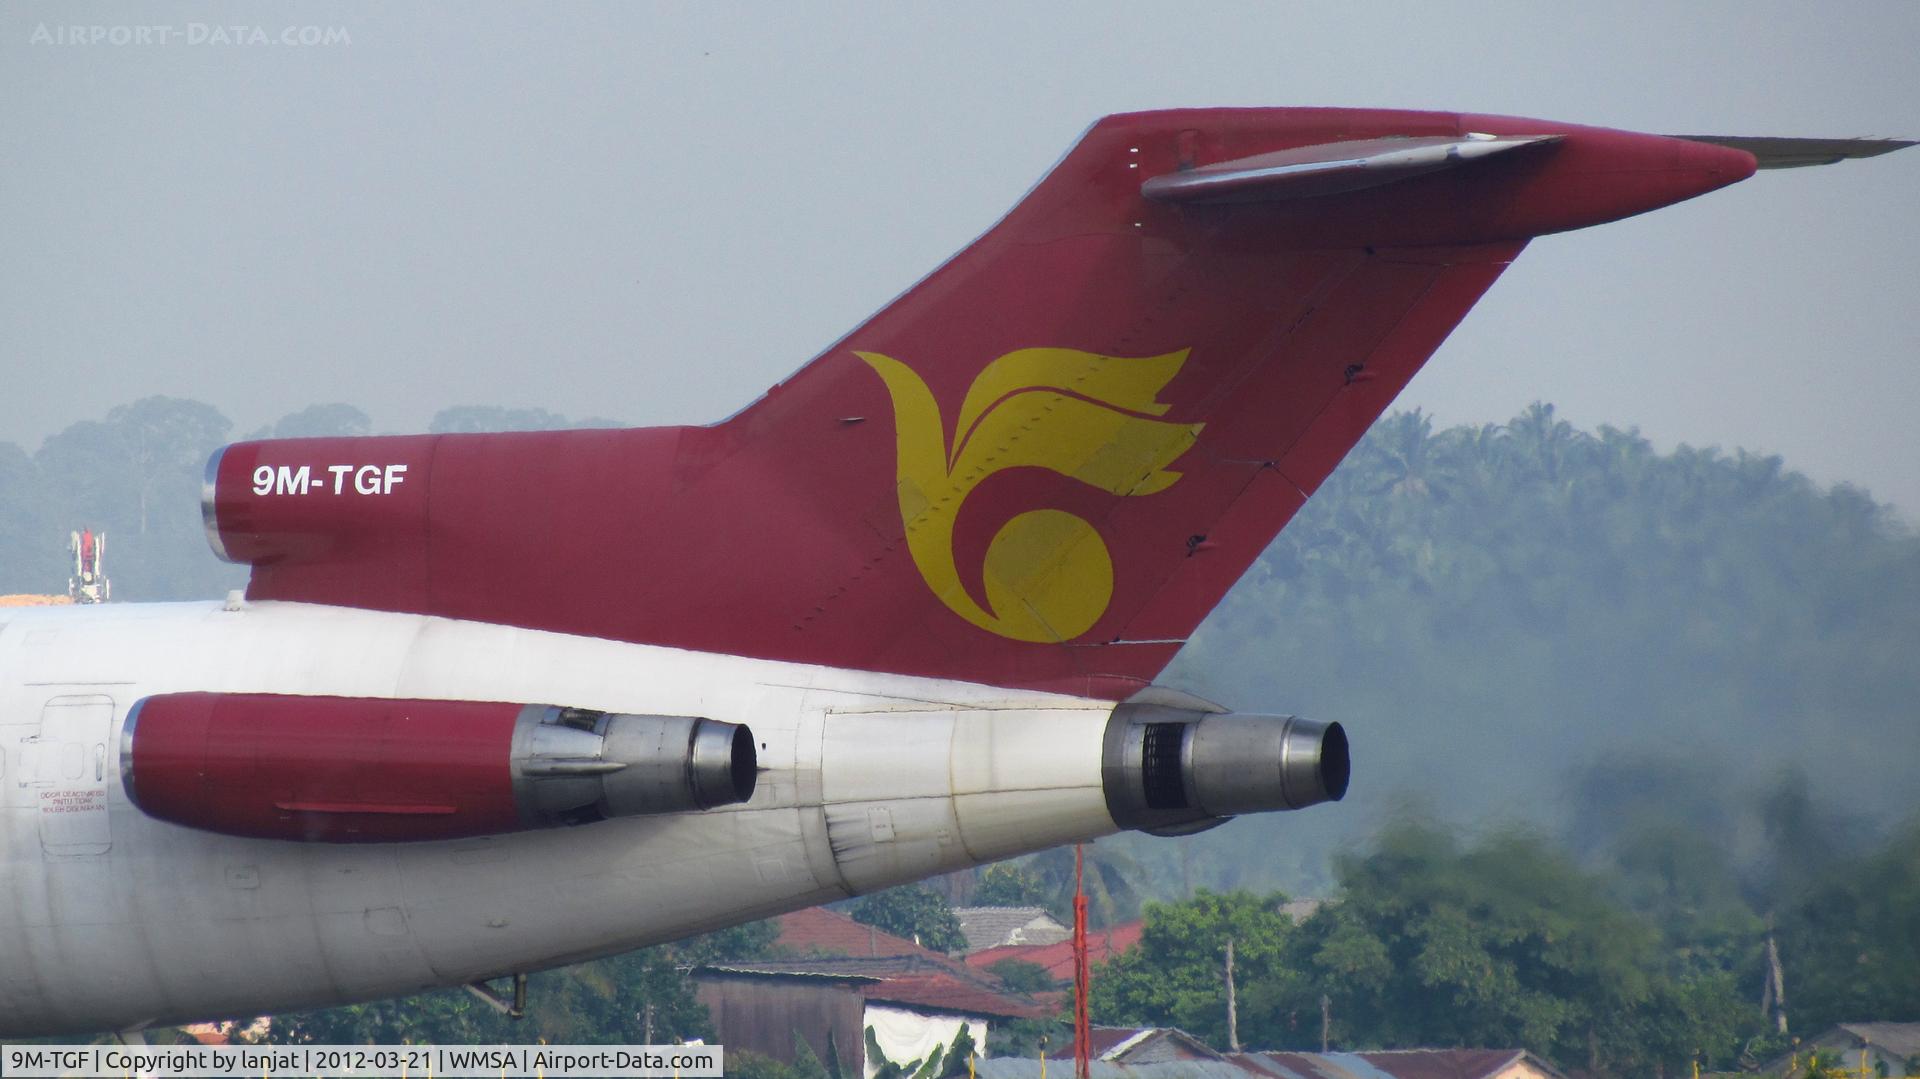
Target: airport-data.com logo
193,34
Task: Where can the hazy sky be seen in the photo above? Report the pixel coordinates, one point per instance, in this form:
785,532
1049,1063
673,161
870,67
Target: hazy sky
654,212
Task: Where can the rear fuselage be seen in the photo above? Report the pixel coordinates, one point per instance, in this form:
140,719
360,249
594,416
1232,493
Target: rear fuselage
111,919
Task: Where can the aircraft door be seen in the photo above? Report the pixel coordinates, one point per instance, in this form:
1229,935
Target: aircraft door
63,772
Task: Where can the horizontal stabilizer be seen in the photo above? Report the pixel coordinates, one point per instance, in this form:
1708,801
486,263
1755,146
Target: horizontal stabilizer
1777,153
1330,168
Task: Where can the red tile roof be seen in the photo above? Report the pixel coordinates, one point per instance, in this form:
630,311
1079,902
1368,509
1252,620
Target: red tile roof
819,931
952,993
206,1033
1102,945
827,945
1103,1039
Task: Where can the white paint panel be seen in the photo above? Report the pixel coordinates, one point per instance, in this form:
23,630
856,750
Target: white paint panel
879,755
1030,749
1001,825
880,844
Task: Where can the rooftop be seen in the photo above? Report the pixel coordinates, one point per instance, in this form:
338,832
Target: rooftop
1102,945
1900,1039
819,931
1397,1064
1393,1064
929,982
990,927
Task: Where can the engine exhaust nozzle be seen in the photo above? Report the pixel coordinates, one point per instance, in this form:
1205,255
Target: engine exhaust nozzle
1174,770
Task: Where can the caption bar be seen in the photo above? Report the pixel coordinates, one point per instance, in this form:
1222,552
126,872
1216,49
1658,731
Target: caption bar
361,1061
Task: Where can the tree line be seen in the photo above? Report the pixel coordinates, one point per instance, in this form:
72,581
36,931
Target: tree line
1641,964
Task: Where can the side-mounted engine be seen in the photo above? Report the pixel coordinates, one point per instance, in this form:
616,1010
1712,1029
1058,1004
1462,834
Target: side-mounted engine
1181,766
360,770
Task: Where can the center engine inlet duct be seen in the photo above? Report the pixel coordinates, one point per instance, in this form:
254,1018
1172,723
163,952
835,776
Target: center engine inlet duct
372,770
1173,769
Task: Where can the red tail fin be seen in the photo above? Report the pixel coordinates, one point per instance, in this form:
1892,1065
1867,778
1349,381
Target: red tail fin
1043,465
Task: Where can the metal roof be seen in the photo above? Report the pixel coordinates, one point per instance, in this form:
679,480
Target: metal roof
1899,1039
1394,1064
1025,1068
929,983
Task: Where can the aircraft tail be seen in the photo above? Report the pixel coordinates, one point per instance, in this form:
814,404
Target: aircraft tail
1039,467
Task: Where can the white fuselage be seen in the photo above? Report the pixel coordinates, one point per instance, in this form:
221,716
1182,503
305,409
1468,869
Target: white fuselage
111,920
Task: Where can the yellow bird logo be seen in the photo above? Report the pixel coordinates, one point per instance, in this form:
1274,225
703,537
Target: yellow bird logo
1048,576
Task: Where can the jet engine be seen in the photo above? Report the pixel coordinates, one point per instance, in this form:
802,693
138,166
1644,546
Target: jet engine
1182,765
369,770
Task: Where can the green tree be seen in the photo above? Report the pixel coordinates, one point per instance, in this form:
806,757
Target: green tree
320,421
1011,884
1022,976
744,1064
1029,1037
1506,942
1175,976
31,545
913,911
450,1016
137,476
1850,945
1108,877
164,439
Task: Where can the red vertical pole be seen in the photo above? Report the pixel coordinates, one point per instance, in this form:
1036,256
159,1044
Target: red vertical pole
1082,1028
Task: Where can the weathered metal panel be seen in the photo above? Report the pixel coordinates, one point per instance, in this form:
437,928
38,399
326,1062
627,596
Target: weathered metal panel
765,1016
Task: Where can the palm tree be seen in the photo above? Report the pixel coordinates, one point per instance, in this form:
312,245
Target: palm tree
1405,444
1544,441
1111,897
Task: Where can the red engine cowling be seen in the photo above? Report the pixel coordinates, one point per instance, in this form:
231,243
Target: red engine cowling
372,770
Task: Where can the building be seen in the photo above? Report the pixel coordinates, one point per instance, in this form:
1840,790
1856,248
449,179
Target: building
856,1009
995,927
840,979
819,931
1057,959
1169,1052
1145,1045
1889,1049
1400,1064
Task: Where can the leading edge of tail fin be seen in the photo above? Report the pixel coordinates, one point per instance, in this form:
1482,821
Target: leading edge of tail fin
1040,467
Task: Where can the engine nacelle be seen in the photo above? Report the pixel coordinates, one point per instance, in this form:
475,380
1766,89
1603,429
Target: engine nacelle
372,770
1175,768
